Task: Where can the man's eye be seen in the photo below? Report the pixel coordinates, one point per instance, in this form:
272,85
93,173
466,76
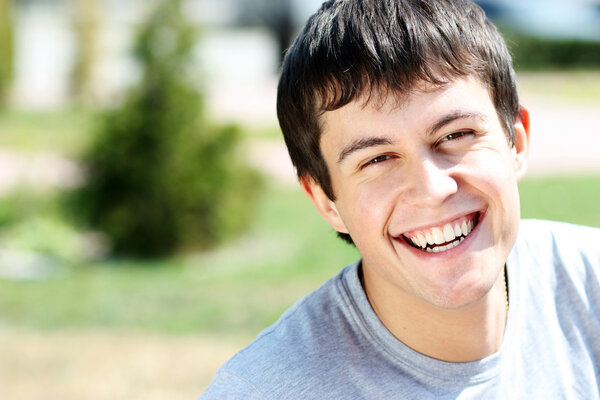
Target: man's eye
455,136
377,160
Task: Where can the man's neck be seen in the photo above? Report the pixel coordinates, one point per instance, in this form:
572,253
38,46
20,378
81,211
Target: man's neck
464,334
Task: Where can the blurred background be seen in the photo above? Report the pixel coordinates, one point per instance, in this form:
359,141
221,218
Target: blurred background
150,221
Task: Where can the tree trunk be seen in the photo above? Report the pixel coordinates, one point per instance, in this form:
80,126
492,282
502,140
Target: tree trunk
86,22
6,49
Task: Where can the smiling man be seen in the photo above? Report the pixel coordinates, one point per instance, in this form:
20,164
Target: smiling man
403,121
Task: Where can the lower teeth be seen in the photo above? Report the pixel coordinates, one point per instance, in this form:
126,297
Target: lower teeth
439,249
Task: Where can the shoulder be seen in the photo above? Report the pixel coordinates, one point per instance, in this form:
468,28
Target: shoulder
565,253
227,385
554,289
558,239
555,228
291,352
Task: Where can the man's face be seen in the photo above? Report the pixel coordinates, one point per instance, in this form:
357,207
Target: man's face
427,189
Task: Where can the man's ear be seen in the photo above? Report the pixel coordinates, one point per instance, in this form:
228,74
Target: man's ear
521,144
325,206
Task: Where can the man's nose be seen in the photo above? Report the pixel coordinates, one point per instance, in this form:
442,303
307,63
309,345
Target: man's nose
431,183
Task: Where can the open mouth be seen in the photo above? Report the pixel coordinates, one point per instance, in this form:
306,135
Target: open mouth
445,237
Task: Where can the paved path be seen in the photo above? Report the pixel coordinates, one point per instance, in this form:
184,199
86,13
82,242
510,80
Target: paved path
564,138
36,169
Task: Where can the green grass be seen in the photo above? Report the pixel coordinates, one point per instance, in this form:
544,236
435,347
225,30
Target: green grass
573,88
242,287
569,199
65,131
239,289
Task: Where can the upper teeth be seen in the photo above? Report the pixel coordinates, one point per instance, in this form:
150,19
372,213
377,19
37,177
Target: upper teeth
446,234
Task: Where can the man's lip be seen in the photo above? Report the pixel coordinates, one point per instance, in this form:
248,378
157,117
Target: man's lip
481,215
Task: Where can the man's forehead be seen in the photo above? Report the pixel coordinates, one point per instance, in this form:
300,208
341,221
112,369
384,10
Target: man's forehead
384,97
454,104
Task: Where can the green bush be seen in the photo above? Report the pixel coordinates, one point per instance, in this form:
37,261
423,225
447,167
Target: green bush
23,203
13,208
160,177
534,53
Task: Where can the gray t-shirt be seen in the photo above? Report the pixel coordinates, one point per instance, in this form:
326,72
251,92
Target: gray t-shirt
331,345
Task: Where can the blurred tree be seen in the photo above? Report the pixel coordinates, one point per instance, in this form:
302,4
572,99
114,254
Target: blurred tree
6,48
86,20
161,177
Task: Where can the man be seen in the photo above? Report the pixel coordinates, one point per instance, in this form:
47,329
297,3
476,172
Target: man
403,122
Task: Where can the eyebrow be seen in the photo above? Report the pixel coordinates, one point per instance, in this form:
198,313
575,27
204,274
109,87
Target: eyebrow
362,143
453,116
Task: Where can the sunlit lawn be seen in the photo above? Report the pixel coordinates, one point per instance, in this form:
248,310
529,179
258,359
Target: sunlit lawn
237,289
64,131
242,287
